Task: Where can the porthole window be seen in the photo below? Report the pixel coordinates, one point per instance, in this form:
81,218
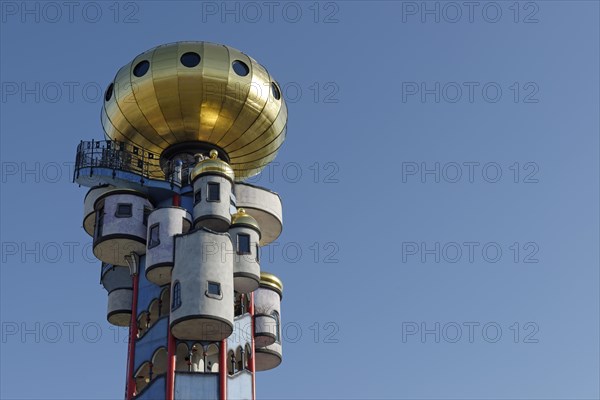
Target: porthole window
154,239
141,68
243,242
176,303
275,91
123,210
190,59
109,92
240,68
214,189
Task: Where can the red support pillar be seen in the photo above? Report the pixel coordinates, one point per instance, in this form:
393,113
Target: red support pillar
171,344
223,370
133,330
170,395
252,359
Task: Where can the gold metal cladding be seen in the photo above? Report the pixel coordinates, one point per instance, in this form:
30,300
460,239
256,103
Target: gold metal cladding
172,103
270,280
212,165
241,218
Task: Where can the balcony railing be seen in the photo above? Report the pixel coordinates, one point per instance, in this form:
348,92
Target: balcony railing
120,156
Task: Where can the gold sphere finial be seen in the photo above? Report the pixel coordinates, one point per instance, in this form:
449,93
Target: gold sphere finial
241,211
214,154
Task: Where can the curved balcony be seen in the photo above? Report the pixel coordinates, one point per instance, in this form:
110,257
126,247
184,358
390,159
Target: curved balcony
123,165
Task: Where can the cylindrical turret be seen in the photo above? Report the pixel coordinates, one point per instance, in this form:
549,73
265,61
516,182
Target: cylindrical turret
245,236
202,286
120,225
212,179
163,224
267,322
118,283
89,214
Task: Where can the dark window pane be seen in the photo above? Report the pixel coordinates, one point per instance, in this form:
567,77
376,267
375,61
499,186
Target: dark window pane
190,59
275,315
214,288
109,92
154,239
240,68
146,214
197,197
123,210
141,68
257,253
176,296
243,244
99,222
214,191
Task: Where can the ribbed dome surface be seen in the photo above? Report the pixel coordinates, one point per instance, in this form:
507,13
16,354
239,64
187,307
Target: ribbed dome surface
198,92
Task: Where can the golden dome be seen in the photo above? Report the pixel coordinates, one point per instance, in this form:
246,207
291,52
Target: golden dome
212,165
198,92
272,282
241,218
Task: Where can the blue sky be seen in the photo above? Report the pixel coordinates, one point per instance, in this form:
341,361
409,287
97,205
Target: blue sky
439,181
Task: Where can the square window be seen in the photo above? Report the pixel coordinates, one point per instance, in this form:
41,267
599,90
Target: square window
243,243
214,191
154,239
197,197
123,210
214,289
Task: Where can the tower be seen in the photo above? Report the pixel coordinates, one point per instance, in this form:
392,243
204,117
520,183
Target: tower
177,230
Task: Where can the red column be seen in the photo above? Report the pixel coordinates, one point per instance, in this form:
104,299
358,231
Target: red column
170,395
171,344
133,330
223,369
252,360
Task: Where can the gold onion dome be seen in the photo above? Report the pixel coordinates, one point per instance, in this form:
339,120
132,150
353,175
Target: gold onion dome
212,165
244,219
198,92
272,282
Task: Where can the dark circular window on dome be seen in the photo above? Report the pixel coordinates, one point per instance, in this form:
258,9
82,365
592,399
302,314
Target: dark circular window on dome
109,92
275,91
240,68
190,59
141,68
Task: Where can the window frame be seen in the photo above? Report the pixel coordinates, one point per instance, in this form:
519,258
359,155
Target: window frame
118,214
213,295
276,317
152,244
238,250
176,300
218,186
99,225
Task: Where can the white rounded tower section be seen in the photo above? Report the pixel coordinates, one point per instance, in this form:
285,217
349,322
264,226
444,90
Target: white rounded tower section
267,322
202,286
89,214
163,224
120,227
213,182
118,283
245,236
265,206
